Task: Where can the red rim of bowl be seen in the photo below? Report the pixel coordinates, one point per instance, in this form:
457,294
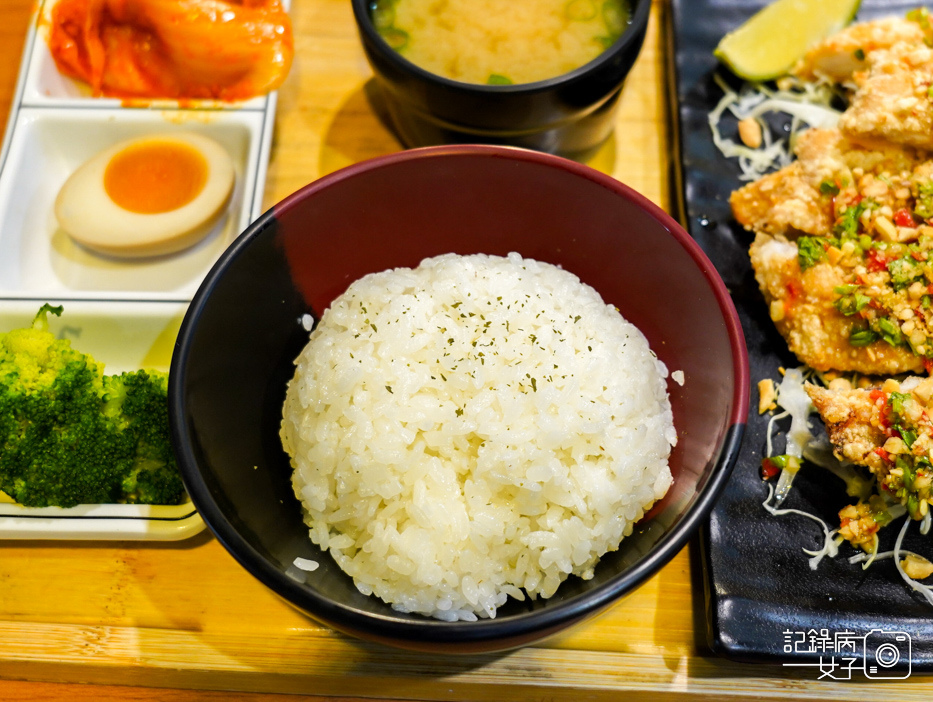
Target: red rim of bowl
723,299
481,635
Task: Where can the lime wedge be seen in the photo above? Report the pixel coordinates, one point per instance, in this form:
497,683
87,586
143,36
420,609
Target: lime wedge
773,39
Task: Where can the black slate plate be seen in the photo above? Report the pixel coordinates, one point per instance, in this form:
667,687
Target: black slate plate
764,604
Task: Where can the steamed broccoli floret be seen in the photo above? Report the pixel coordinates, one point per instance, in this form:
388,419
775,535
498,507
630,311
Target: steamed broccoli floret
137,403
71,435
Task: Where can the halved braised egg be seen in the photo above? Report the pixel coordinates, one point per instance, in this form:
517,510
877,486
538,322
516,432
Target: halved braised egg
147,196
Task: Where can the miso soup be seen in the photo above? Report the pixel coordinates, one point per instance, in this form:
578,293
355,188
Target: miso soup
500,42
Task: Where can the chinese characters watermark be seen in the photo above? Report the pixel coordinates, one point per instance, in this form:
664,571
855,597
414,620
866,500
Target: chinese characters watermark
879,654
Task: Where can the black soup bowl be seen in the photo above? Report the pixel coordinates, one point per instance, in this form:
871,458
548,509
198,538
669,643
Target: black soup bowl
570,115
243,330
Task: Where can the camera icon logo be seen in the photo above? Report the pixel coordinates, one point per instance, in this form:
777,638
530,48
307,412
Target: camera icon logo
887,655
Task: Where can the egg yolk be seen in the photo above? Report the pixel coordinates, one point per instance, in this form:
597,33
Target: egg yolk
155,176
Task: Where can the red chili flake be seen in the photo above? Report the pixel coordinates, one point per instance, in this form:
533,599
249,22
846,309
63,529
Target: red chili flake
928,365
885,418
768,469
885,456
875,261
904,218
880,398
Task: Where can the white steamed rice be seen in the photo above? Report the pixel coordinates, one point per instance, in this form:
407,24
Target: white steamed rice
475,428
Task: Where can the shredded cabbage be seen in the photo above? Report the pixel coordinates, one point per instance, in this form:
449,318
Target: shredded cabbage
898,555
792,397
769,448
925,590
830,544
801,443
808,105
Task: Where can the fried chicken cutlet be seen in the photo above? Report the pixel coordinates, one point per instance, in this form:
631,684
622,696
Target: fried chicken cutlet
841,253
887,66
892,100
888,430
803,197
802,303
838,57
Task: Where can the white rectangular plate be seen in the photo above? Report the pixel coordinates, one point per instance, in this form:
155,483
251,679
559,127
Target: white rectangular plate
38,258
146,334
101,522
124,313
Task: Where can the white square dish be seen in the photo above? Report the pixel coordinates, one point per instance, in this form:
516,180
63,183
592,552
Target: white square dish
123,336
38,258
101,522
125,313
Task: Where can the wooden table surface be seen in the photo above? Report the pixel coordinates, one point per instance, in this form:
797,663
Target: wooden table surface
182,621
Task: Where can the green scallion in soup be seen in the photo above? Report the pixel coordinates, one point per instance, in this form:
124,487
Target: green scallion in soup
500,42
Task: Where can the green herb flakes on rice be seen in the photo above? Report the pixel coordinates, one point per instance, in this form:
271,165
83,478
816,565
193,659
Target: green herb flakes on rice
475,428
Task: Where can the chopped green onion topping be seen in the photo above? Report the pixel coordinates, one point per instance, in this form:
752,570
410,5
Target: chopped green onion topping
828,187
863,337
810,251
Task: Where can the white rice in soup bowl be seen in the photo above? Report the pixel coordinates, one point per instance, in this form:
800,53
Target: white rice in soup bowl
474,429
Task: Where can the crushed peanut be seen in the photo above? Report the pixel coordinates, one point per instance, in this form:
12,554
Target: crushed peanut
767,396
917,567
750,132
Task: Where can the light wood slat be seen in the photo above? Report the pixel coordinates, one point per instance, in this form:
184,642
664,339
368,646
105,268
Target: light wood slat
78,618
164,587
296,664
